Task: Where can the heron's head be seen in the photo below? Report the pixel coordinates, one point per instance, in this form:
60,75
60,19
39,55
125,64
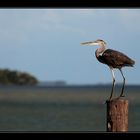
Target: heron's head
92,43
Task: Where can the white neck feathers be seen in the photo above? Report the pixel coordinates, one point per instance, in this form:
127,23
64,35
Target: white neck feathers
100,50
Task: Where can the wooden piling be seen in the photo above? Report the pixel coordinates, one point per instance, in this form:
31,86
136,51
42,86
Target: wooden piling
117,115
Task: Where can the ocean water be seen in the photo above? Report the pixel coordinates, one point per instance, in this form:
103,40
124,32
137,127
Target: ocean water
72,108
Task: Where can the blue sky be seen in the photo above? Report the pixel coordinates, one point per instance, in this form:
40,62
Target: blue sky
46,43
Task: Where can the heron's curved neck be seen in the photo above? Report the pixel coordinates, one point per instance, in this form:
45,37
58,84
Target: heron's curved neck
100,50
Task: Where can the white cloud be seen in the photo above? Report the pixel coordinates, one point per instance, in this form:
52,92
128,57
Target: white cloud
17,25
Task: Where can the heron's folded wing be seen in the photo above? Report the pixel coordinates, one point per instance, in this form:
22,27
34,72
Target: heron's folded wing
116,58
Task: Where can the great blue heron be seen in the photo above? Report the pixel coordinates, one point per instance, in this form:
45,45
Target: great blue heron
112,58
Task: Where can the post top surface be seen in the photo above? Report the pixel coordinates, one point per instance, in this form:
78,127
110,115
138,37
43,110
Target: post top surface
119,99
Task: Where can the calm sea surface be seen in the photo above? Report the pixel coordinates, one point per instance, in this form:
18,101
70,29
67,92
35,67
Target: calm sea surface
72,108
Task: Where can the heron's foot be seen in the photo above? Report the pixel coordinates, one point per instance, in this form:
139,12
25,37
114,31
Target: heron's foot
110,98
122,95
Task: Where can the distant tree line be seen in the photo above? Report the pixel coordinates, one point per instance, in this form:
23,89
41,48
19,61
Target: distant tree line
8,77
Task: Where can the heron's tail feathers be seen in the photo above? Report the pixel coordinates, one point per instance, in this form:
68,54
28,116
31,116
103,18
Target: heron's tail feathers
130,63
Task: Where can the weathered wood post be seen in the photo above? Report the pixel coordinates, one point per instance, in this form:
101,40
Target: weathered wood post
117,115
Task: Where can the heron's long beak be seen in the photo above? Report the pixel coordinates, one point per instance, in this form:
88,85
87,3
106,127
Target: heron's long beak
91,43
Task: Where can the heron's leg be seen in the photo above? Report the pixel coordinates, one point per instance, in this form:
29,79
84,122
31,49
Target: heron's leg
122,92
113,77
